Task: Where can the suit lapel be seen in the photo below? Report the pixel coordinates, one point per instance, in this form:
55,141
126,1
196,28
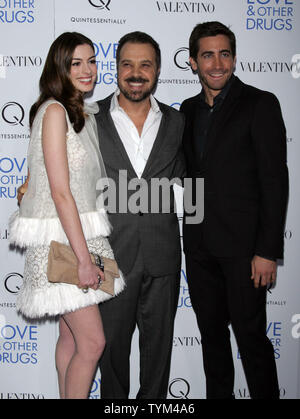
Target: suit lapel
154,154
113,137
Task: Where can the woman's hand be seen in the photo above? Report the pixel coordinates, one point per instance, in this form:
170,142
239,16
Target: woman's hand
88,275
22,189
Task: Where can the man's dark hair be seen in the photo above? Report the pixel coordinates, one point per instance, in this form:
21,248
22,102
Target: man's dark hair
203,30
139,38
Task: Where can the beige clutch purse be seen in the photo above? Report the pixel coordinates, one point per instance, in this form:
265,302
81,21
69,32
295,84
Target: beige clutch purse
62,267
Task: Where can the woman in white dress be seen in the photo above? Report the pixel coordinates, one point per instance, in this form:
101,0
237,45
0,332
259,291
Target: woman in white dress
61,204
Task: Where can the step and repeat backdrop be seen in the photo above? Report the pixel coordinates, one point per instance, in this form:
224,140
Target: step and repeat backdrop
268,56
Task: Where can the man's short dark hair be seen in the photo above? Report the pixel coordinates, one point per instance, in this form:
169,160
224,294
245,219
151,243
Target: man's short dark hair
139,38
203,30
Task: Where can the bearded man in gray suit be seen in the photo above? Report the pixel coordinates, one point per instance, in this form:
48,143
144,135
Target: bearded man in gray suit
140,140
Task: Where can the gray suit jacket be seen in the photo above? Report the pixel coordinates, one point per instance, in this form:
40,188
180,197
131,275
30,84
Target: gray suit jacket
156,233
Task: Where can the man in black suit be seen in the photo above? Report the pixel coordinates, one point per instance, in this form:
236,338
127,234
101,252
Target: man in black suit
235,139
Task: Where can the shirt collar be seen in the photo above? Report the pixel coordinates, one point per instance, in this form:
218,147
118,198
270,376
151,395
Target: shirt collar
90,108
221,96
114,105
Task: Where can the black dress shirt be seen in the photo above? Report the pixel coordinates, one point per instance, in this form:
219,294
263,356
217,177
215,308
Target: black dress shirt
205,117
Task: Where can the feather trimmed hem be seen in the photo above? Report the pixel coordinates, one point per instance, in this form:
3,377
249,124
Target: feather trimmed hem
24,232
60,299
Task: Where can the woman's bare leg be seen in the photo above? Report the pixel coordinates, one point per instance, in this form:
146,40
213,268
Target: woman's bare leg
65,349
86,328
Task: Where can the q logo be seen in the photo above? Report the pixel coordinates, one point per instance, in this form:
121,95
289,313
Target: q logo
12,282
179,388
181,59
13,113
100,4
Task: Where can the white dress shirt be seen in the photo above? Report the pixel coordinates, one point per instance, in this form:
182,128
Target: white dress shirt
138,147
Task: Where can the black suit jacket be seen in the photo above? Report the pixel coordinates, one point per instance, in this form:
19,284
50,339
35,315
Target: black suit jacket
245,172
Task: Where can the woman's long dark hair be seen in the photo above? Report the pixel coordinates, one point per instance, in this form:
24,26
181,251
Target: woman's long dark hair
55,81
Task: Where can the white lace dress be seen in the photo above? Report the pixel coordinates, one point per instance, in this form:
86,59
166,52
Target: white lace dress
36,223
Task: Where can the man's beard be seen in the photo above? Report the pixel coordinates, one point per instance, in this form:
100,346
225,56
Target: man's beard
138,96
